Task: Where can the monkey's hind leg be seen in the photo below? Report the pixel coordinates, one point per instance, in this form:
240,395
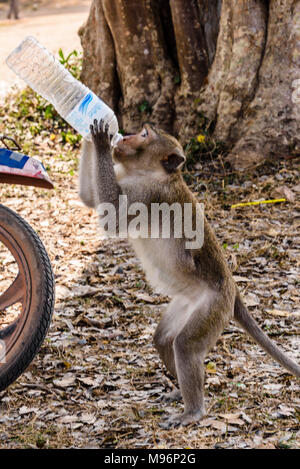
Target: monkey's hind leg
191,345
164,346
164,336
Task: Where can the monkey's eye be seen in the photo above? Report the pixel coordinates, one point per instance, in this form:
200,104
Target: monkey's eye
145,133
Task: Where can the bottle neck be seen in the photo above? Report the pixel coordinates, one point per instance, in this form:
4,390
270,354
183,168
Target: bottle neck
116,138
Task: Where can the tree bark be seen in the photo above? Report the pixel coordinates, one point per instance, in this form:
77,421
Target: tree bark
172,61
270,127
250,84
99,61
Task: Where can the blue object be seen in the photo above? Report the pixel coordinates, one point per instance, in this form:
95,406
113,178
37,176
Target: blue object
12,159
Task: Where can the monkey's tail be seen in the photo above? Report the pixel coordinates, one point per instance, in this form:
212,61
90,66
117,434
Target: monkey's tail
242,315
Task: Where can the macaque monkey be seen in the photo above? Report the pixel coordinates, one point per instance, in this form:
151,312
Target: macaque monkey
204,296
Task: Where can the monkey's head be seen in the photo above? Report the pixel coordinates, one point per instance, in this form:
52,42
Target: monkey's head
149,150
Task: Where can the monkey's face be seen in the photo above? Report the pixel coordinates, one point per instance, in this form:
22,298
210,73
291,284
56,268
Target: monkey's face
149,150
134,144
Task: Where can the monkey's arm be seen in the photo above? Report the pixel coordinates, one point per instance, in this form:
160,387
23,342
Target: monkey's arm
106,188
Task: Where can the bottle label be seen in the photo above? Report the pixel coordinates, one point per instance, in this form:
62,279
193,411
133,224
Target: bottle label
89,108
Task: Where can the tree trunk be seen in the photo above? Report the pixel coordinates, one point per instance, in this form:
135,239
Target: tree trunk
173,61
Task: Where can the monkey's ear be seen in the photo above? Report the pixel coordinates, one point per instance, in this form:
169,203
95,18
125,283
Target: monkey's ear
173,162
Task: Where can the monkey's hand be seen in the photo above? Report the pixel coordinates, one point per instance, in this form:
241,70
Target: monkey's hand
101,138
106,188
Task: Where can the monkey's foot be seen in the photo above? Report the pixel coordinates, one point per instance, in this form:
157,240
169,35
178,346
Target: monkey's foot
182,419
173,396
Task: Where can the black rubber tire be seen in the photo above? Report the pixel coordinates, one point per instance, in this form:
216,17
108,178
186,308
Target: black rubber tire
39,315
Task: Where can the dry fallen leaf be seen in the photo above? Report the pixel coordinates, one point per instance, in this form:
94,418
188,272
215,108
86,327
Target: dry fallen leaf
278,312
251,299
88,381
27,410
145,297
87,418
239,278
284,191
65,382
217,425
285,411
98,361
233,418
68,419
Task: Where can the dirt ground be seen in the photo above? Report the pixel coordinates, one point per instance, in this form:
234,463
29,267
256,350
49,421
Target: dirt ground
98,381
54,24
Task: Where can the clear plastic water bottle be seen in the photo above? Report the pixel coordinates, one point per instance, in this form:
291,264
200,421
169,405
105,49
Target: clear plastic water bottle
78,105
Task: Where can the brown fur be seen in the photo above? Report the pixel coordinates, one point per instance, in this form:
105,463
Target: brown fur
204,294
